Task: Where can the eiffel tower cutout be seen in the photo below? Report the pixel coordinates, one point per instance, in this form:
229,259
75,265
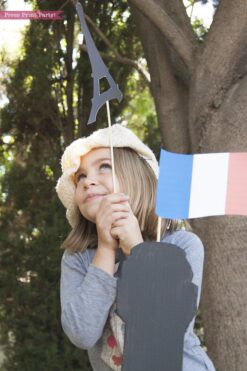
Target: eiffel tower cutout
99,71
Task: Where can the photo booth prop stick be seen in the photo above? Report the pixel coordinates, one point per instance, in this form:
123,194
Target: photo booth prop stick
157,300
194,186
111,147
99,71
159,222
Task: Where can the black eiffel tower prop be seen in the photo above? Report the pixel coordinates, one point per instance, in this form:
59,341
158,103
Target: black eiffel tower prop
99,71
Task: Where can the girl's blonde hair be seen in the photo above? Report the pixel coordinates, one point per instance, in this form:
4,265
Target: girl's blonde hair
137,180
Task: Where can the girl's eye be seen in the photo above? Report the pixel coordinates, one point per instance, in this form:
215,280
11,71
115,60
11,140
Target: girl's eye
79,177
105,167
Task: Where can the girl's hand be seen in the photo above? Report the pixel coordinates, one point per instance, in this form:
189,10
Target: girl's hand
113,207
127,230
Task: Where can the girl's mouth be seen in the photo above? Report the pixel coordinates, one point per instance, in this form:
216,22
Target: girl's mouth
93,196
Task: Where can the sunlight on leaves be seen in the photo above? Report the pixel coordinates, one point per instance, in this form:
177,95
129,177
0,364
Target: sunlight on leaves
48,171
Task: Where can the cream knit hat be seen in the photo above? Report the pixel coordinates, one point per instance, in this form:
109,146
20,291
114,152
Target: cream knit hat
121,137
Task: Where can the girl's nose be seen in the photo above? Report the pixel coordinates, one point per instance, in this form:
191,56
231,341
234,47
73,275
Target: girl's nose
89,181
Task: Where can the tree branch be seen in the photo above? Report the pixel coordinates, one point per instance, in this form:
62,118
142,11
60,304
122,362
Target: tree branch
169,89
117,56
127,61
101,35
222,61
168,28
99,32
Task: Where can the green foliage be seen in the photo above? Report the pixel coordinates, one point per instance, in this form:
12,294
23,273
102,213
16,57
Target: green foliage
3,4
199,28
196,23
215,2
141,116
32,228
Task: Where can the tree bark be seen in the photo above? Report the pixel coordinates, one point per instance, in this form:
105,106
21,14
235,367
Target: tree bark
221,64
170,76
201,107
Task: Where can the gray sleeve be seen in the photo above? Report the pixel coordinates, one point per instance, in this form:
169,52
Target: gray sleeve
194,252
86,293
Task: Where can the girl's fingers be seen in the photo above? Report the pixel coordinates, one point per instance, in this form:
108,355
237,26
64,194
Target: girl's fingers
109,217
113,207
119,216
112,204
110,211
119,222
115,232
120,207
116,197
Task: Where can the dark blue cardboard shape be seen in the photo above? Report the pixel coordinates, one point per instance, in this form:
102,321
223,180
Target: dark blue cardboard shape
157,300
99,71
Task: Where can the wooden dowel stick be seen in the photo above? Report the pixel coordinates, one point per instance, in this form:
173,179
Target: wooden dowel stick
158,229
111,146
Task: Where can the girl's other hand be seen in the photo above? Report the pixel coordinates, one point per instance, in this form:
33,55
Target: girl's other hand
113,207
128,231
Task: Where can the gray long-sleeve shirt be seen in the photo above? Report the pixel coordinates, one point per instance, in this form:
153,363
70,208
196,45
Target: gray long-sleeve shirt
87,294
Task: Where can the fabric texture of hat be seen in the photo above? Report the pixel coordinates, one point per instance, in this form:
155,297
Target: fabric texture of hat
121,137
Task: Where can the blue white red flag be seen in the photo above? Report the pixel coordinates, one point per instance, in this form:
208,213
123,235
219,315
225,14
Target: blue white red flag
193,186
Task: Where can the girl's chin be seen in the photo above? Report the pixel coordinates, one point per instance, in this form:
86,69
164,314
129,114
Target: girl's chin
91,216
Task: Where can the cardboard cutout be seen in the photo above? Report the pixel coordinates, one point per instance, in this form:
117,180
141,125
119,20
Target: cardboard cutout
157,300
99,71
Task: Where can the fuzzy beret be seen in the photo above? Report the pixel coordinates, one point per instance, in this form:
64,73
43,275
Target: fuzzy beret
121,137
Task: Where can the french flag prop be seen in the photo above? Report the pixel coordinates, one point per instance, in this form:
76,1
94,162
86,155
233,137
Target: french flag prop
194,186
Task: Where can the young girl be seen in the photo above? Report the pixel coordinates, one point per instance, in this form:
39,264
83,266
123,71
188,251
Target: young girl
106,224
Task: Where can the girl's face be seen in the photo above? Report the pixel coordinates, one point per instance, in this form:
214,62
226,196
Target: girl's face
93,181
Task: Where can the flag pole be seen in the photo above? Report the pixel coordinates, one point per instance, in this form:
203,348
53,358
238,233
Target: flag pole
158,229
111,145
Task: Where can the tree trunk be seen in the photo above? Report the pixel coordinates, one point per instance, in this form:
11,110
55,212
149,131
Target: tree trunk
224,298
200,92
